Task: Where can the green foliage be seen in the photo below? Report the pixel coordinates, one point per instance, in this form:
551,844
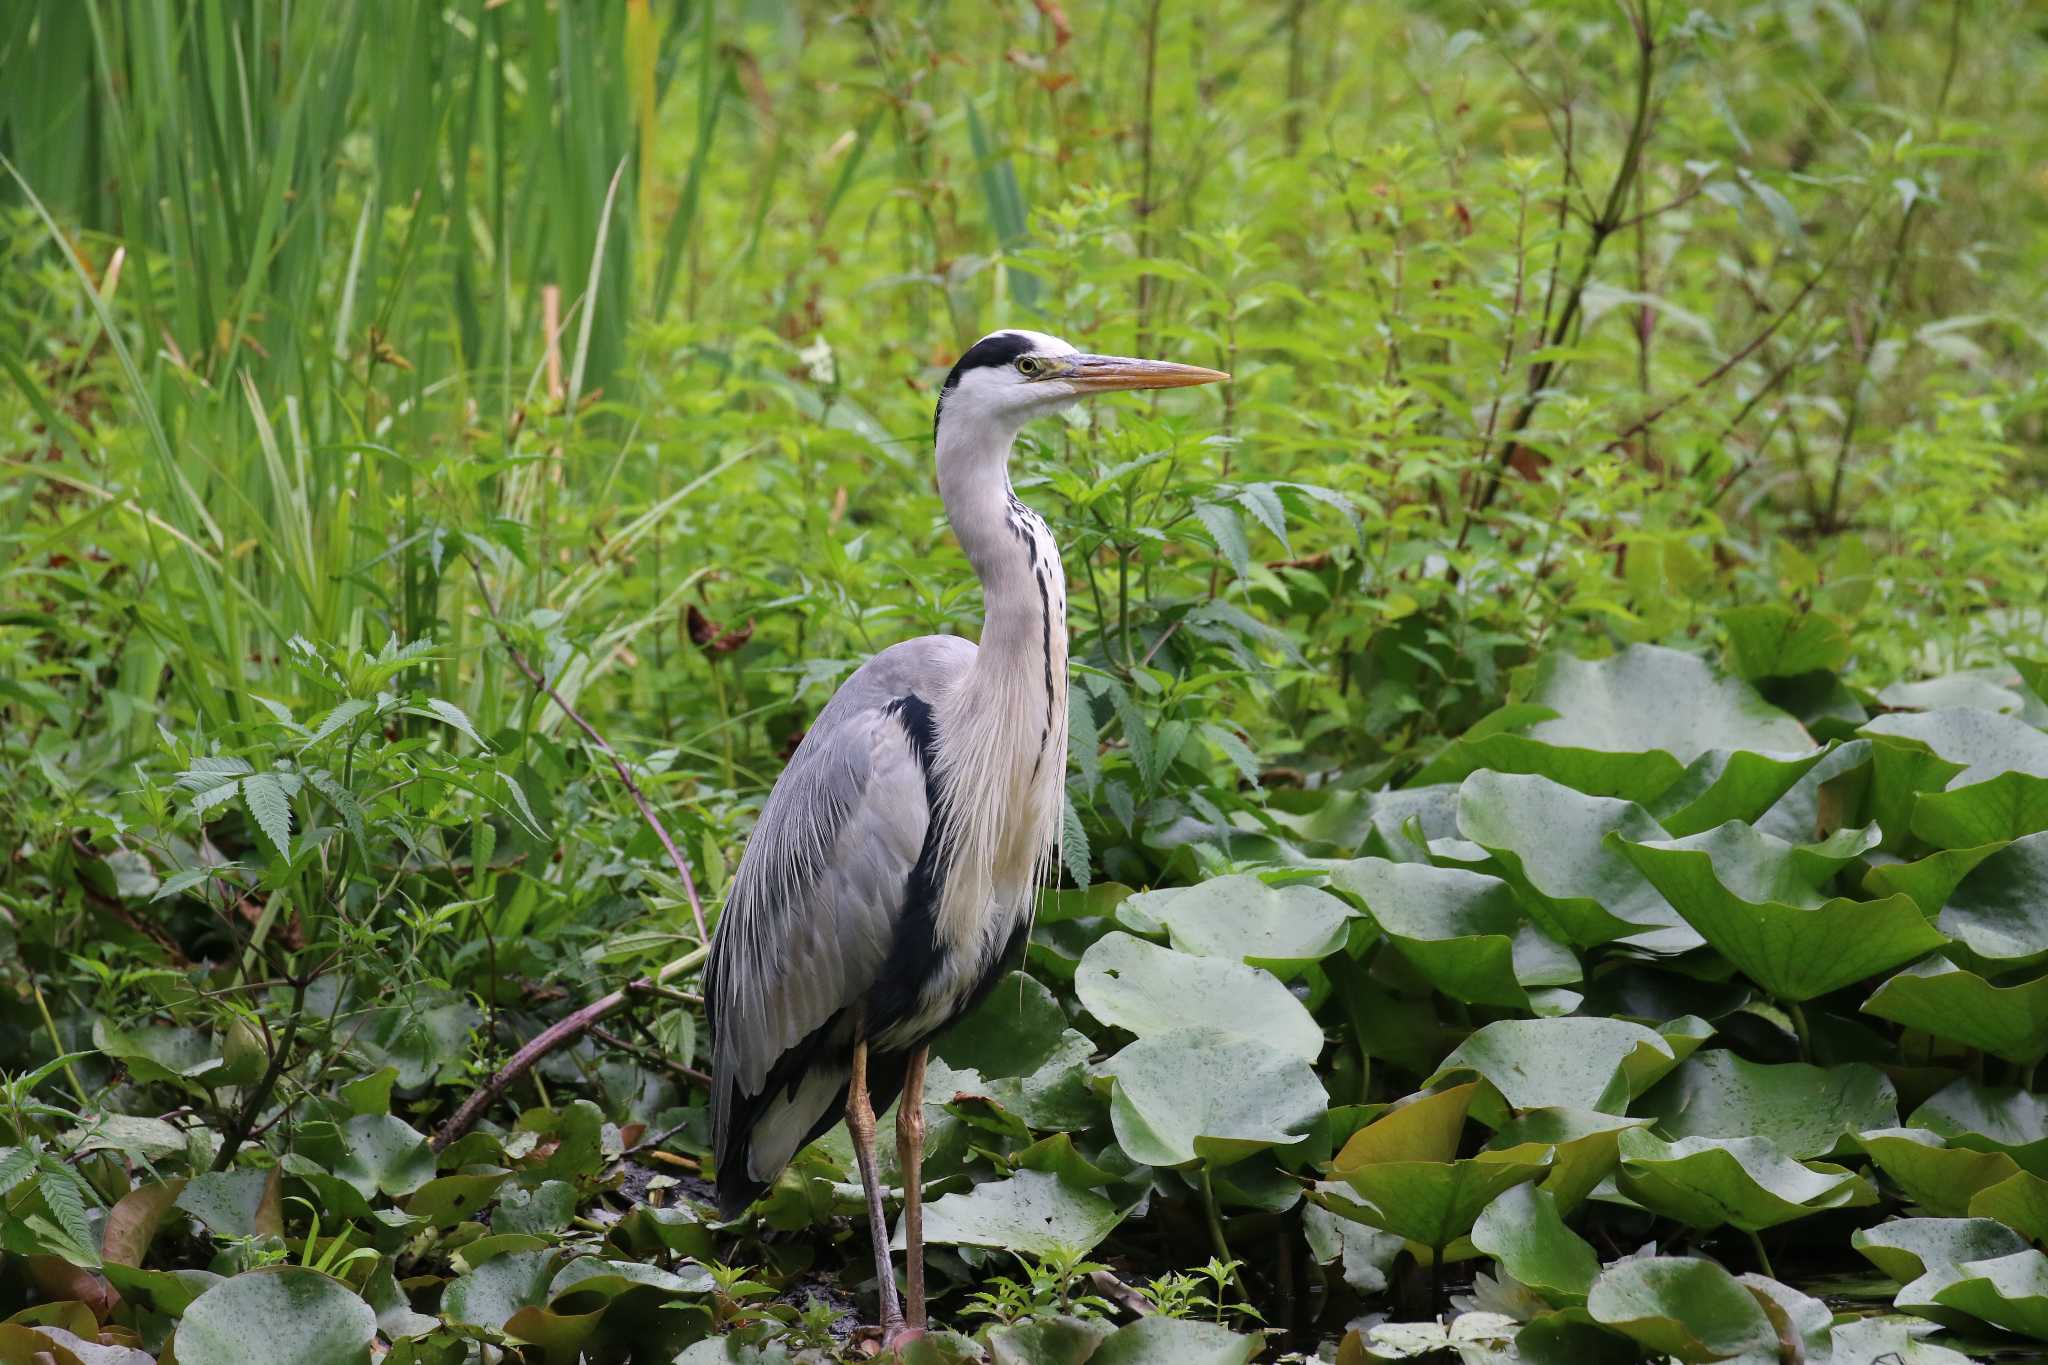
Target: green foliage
1558,744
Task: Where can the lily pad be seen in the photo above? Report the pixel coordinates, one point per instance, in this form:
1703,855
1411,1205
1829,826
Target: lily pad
2009,1292
1463,932
2020,1201
1015,1030
1280,928
1552,844
1682,1306
1651,698
1804,1110
1922,1254
1203,1094
1940,998
2007,806
1148,990
1753,897
1746,1183
1574,1063
2000,910
383,1153
1987,1118
279,1315
1985,743
1769,640
1585,1145
488,1295
238,1203
1932,1173
1175,1341
1722,785
1403,1167
1523,1231
1032,1213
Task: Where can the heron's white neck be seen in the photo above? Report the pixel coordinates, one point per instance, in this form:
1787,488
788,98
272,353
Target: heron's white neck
1004,726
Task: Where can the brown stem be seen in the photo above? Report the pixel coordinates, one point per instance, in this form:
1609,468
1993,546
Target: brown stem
563,1030
1602,228
541,684
245,1121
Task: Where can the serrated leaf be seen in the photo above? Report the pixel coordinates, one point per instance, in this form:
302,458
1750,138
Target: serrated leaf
271,808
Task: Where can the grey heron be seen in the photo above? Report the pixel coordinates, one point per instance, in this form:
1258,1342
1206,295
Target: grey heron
893,870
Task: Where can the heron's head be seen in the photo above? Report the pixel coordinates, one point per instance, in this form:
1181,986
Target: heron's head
1009,377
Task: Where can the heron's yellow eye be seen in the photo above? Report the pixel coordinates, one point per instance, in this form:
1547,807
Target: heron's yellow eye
1031,366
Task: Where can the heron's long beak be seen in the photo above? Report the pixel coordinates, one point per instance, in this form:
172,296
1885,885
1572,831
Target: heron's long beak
1103,373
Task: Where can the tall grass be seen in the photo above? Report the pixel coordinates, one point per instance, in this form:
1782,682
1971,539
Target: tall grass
316,237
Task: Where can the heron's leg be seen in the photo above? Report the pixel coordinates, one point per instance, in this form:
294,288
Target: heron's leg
860,1122
910,1160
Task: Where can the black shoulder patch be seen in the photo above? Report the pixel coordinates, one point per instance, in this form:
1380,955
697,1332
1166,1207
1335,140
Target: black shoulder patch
914,713
996,349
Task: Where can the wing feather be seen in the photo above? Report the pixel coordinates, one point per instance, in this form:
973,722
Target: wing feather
813,911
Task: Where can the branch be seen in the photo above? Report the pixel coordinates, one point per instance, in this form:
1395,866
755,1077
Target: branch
541,684
1650,418
245,1122
564,1030
1602,228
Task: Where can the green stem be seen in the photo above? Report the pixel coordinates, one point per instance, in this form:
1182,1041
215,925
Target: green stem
1799,1027
1216,1238
1763,1258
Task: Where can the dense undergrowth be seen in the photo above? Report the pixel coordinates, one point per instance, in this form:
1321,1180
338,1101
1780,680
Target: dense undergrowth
1558,775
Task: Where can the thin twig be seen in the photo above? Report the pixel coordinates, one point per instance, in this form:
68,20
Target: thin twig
650,1057
564,1030
541,684
245,1121
1602,228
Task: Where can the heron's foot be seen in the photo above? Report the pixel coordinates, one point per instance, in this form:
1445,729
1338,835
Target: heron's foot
895,1338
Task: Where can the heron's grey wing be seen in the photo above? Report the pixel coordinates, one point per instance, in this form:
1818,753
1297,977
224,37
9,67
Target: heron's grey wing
813,911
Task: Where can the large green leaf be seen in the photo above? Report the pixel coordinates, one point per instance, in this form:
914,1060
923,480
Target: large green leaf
1145,989
1804,1110
1584,1145
1754,898
1552,843
1463,932
2020,1201
1999,912
1015,1030
1522,1230
381,1152
1174,1341
1722,785
494,1290
1203,1094
1938,997
1769,640
1682,1306
279,1315
2008,1292
1403,1168
1032,1213
1648,698
1280,928
1934,1174
1747,1183
1574,1063
237,1203
1988,1118
1985,743
2003,807
1923,1255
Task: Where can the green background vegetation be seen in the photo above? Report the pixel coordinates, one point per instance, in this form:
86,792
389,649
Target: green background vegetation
1570,712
